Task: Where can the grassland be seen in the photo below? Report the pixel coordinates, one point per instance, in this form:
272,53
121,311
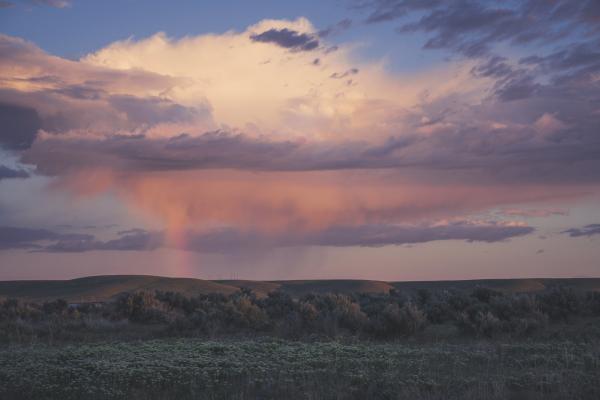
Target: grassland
440,340
267,369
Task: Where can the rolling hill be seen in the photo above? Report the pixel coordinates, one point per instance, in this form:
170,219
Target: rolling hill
104,288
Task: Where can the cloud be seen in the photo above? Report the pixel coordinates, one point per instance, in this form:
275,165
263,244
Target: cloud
342,75
231,240
561,37
52,3
277,202
27,238
7,172
381,235
39,91
133,240
588,230
472,27
11,167
221,130
335,29
527,154
287,38
533,213
18,126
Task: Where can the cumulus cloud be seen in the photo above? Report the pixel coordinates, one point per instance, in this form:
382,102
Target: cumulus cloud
288,114
246,129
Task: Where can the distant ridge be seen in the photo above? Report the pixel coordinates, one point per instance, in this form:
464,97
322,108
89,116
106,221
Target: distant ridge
107,287
103,288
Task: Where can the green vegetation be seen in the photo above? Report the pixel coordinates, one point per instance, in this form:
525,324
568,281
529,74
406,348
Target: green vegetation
194,369
374,316
475,343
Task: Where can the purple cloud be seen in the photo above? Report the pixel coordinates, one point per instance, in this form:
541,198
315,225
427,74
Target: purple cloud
288,39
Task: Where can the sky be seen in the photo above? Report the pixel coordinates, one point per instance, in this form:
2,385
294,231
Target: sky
363,139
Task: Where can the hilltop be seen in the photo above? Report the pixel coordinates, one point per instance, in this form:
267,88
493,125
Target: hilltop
103,288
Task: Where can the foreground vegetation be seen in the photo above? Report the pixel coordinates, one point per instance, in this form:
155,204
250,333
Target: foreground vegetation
478,344
270,369
142,315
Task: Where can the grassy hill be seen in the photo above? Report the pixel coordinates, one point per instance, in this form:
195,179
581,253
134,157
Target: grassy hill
102,288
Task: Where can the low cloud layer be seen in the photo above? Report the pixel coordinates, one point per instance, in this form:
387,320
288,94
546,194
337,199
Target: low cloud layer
28,238
229,240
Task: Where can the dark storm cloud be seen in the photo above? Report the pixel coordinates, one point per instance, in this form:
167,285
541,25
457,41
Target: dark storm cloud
588,230
24,238
18,126
287,38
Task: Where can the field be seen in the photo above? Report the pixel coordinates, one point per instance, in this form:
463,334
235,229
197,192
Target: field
162,338
271,369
